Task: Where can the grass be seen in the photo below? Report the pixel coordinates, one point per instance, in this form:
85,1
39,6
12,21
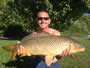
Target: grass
82,60
4,55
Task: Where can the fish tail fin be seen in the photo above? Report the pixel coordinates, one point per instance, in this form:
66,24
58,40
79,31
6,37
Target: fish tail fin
11,48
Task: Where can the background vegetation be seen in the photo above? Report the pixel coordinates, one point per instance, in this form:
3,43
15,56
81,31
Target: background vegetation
18,17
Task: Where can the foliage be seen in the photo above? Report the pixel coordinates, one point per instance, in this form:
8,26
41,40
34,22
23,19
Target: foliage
23,13
88,3
15,31
82,25
86,20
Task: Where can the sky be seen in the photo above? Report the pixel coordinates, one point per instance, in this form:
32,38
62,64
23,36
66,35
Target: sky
86,14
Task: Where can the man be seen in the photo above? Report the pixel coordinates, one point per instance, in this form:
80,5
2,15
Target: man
43,21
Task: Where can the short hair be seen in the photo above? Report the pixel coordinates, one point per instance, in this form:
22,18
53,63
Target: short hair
43,11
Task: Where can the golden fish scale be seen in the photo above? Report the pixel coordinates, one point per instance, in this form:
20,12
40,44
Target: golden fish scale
49,45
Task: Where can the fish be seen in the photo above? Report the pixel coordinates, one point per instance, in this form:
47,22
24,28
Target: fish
46,45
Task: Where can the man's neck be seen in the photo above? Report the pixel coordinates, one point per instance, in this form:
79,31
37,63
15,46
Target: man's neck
44,30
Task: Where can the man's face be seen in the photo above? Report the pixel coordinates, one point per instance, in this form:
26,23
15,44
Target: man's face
43,20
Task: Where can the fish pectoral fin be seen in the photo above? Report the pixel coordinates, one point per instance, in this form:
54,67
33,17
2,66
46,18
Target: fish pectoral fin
48,60
25,53
72,57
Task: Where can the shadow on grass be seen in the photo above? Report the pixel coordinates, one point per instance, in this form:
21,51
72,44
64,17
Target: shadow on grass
23,62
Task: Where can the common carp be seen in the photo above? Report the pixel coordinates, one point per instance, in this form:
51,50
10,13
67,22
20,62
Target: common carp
46,45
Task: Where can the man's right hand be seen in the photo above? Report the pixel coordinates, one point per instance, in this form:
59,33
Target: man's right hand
21,49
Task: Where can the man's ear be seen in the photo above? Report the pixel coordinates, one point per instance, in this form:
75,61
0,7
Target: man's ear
49,21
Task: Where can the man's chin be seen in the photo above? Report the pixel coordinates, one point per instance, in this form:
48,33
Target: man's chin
42,27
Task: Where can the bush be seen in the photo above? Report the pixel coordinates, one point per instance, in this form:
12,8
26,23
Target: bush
15,31
1,33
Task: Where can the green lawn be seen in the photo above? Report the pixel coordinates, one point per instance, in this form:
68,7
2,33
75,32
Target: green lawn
5,55
82,60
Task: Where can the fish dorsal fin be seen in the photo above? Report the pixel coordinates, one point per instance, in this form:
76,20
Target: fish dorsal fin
48,60
30,36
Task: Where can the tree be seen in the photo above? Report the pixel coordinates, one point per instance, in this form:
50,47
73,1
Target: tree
62,12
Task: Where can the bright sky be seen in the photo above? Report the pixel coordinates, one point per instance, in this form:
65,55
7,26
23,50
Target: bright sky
86,14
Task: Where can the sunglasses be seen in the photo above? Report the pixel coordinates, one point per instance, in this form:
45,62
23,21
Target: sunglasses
45,18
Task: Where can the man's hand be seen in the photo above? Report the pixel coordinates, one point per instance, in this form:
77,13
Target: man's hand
66,53
21,49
